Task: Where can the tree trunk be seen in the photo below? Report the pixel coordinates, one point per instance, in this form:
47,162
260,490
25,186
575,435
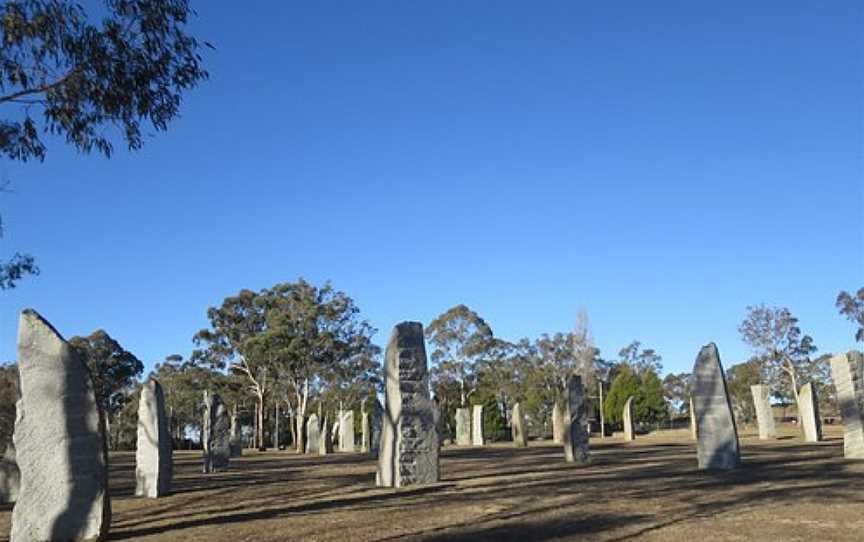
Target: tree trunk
602,416
260,413
276,431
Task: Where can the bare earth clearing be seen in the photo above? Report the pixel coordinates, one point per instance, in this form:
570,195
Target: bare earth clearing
646,490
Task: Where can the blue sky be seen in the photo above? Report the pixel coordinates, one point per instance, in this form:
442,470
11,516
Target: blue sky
661,164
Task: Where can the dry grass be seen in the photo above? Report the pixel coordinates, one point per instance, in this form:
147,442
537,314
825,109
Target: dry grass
645,490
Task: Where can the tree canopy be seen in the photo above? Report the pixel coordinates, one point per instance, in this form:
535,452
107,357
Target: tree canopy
852,307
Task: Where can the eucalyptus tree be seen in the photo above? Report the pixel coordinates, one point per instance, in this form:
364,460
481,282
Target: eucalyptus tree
782,349
114,370
852,307
677,388
459,338
77,76
640,359
318,339
234,340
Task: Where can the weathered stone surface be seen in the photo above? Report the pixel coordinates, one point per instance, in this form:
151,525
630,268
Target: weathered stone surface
463,426
717,436
517,422
153,467
235,443
326,443
334,432
557,424
215,434
575,423
346,431
59,440
477,426
848,373
375,422
764,416
692,419
10,475
809,409
409,438
313,435
627,416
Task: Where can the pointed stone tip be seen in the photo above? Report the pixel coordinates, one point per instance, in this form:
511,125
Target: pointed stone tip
32,318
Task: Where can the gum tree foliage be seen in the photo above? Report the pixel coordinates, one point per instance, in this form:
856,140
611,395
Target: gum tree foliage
677,389
503,373
114,369
8,397
782,349
66,74
640,359
852,307
739,378
322,345
649,405
459,338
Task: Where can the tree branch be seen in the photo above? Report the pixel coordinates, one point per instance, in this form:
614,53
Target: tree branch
15,96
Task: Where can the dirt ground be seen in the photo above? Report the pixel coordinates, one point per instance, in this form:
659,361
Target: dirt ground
645,490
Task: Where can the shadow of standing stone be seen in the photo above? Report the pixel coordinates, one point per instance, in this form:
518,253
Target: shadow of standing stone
409,437
215,434
59,440
717,436
848,373
153,467
575,423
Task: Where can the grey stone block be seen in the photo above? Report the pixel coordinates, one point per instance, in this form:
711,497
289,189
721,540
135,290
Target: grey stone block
576,448
848,373
717,436
215,434
153,465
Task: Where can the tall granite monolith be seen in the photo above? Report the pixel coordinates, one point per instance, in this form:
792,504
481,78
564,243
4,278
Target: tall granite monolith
10,475
326,442
313,435
575,422
809,409
153,466
59,440
477,426
557,424
215,434
517,423
764,416
375,422
463,426
717,436
627,417
346,431
848,373
409,438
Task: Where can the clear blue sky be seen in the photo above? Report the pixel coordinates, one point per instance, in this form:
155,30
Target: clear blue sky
663,164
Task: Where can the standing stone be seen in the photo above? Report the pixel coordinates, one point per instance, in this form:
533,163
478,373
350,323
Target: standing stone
409,438
463,426
629,430
346,431
717,436
325,443
692,419
10,476
236,442
764,415
375,423
575,422
477,427
520,438
215,434
809,408
313,435
153,468
557,424
60,442
848,373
